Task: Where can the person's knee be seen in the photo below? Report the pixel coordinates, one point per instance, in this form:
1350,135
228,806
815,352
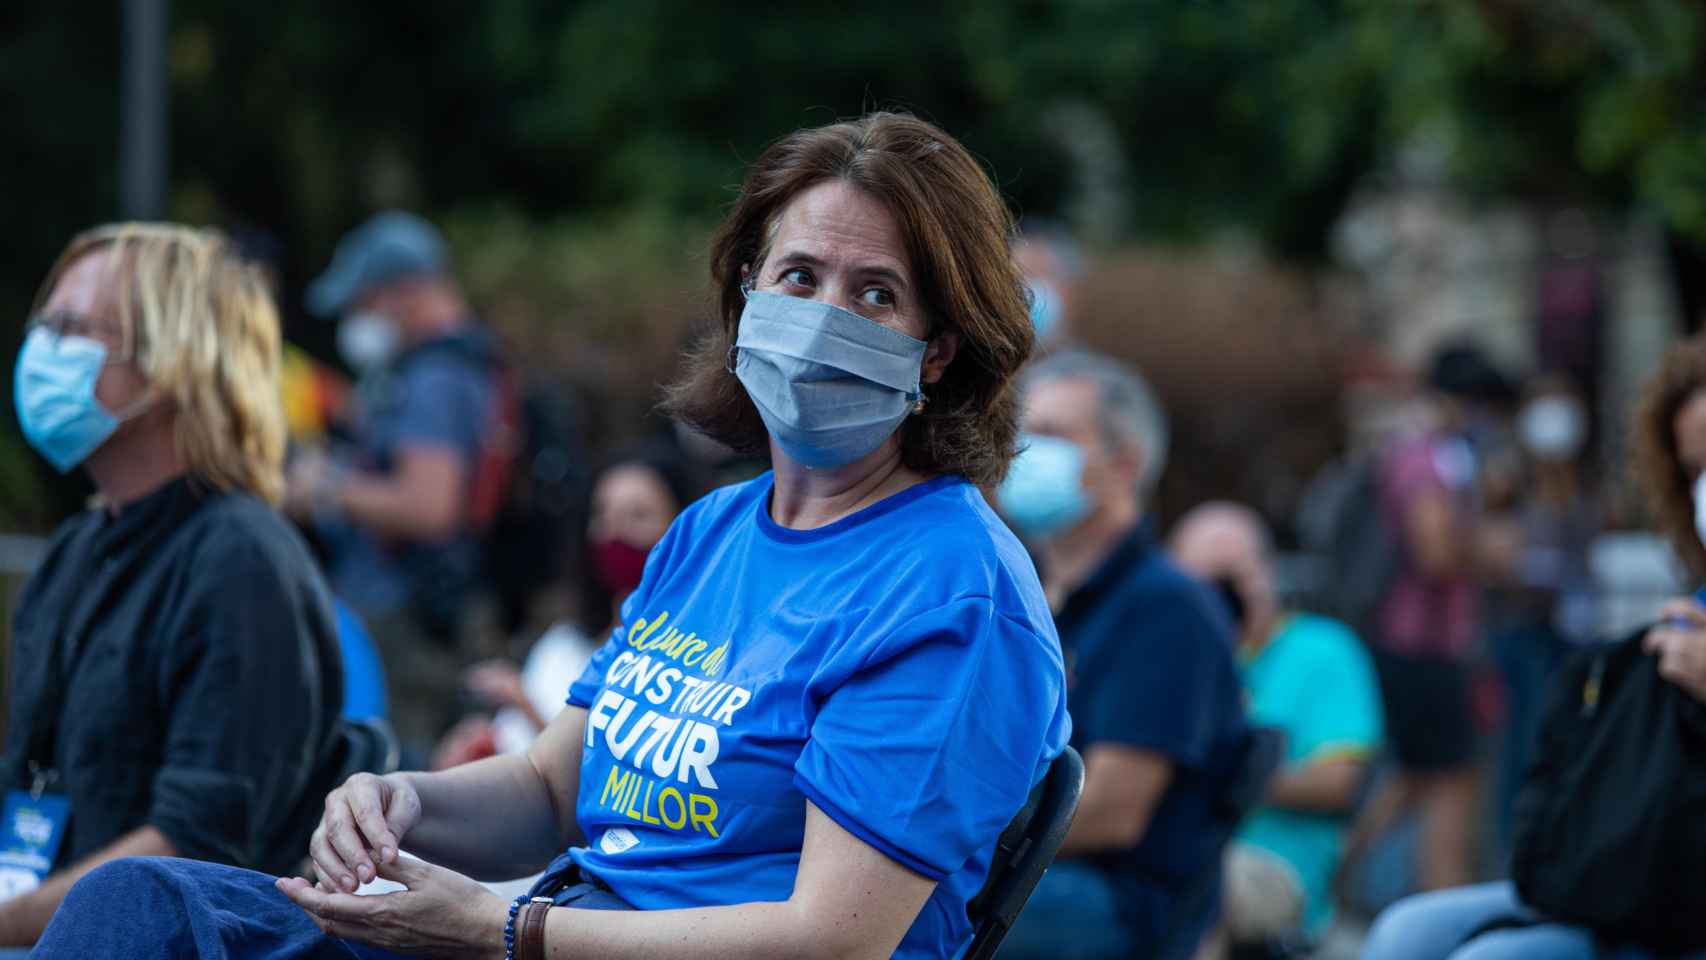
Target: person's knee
1263,897
119,880
141,887
1536,943
1497,946
1401,933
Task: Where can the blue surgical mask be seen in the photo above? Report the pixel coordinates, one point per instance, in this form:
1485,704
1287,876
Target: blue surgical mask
830,384
1700,507
1044,492
53,389
368,341
1045,308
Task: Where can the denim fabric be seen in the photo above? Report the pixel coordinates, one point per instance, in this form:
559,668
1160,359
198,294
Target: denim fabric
1435,926
154,908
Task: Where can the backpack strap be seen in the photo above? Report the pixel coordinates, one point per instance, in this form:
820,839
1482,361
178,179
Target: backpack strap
500,448
501,441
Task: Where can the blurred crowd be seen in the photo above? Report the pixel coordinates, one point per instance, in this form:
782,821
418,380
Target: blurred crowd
478,553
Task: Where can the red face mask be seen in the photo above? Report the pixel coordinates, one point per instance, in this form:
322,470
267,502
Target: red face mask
617,565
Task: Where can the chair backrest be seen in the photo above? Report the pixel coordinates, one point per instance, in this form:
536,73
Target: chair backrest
1241,795
1023,852
370,747
363,746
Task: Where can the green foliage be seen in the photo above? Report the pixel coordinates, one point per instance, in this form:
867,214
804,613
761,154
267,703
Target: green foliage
604,303
612,129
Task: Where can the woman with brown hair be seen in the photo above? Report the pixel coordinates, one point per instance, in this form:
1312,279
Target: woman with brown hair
834,685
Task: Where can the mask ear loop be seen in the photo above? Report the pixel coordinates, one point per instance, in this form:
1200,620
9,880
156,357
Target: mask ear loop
917,398
746,288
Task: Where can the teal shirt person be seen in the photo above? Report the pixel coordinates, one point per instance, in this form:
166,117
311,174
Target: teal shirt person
1314,680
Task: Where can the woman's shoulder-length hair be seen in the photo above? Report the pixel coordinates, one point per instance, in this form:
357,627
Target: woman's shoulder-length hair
958,234
200,325
1658,462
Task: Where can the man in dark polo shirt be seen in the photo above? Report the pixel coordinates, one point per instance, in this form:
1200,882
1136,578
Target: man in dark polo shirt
1153,687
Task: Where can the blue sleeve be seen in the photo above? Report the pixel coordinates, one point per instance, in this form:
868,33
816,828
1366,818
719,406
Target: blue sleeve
928,749
1163,686
449,405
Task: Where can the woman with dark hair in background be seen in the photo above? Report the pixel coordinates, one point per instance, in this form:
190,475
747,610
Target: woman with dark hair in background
835,684
636,495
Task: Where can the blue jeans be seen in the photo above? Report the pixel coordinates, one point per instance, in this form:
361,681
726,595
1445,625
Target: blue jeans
1434,926
155,908
1071,916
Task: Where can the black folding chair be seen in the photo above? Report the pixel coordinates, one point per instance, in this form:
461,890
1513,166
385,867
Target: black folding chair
370,747
1025,850
1242,795
364,746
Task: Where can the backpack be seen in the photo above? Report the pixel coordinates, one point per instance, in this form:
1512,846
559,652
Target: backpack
1611,815
527,491
1342,520
530,503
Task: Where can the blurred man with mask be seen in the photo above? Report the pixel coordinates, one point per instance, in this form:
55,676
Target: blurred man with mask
1152,686
396,511
1309,677
1051,262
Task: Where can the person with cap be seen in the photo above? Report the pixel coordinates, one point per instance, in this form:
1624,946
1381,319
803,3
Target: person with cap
395,511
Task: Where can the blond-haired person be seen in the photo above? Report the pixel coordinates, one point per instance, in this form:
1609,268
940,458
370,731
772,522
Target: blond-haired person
175,682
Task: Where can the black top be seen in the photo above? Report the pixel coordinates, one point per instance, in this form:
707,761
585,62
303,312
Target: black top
1149,661
177,666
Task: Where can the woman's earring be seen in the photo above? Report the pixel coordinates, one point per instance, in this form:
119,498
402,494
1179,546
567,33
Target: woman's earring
918,405
729,359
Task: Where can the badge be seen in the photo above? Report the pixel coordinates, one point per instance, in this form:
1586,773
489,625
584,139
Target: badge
31,828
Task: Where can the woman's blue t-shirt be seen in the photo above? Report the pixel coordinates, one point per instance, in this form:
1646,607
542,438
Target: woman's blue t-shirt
898,668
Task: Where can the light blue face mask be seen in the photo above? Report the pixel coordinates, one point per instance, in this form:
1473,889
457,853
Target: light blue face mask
53,388
1043,493
830,384
1045,308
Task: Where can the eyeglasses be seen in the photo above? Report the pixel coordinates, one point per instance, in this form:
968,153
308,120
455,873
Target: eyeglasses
69,323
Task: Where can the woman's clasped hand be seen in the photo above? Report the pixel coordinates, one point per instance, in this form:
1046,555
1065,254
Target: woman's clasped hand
438,914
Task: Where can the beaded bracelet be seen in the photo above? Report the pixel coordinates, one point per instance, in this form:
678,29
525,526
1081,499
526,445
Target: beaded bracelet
509,927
